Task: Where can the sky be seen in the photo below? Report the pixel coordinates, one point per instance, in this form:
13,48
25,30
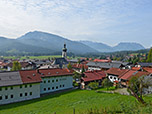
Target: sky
106,21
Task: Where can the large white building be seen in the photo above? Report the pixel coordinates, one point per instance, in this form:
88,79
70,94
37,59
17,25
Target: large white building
30,84
15,88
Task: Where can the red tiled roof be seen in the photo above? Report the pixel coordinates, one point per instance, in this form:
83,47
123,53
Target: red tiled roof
135,68
33,76
93,75
102,60
3,64
148,69
132,73
80,66
116,71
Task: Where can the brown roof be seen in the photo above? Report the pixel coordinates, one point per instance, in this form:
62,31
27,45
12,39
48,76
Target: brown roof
131,73
136,68
31,76
80,66
116,71
93,75
102,60
147,69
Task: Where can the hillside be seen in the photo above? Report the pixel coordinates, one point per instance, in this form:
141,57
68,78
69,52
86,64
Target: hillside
98,46
81,100
54,42
14,47
46,43
125,46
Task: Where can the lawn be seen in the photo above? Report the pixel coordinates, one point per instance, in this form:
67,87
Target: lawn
31,57
81,100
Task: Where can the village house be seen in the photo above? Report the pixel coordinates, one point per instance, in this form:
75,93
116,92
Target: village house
104,66
15,87
143,65
30,84
102,60
52,79
78,67
114,73
92,76
24,66
129,74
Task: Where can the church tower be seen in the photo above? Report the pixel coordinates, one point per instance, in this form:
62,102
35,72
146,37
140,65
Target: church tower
64,51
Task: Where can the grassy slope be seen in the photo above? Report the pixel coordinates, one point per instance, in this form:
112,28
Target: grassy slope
32,57
63,103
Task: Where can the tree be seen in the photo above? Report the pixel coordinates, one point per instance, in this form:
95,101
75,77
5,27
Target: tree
16,66
107,83
76,75
79,61
83,70
69,66
149,58
136,86
93,85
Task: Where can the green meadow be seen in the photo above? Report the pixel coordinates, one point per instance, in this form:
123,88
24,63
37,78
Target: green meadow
79,100
31,57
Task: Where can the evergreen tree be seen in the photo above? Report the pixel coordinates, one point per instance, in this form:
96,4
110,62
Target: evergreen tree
149,58
16,66
83,70
69,66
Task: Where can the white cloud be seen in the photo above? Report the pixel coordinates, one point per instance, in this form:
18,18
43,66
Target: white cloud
74,19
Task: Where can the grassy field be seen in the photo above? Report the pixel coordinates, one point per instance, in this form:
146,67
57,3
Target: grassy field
31,57
81,100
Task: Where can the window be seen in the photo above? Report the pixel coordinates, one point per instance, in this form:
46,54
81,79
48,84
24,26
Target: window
63,85
52,80
49,88
6,88
30,85
21,94
60,85
25,94
6,97
11,88
56,80
12,96
115,78
48,81
20,86
44,81
52,87
30,93
110,77
0,89
0,97
44,89
25,86
56,87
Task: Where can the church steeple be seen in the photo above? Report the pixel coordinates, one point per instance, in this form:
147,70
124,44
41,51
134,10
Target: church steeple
64,51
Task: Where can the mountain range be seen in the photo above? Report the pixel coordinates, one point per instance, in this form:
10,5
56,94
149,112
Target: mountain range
42,42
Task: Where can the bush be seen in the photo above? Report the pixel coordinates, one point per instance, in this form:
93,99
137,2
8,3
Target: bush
107,83
93,85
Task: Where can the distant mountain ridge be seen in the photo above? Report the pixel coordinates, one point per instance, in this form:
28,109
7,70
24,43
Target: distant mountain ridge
122,46
54,42
43,42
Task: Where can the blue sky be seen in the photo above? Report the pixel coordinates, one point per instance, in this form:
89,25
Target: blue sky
106,21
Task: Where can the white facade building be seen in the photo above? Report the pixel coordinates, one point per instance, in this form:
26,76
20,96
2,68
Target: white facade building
51,84
16,93
30,84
